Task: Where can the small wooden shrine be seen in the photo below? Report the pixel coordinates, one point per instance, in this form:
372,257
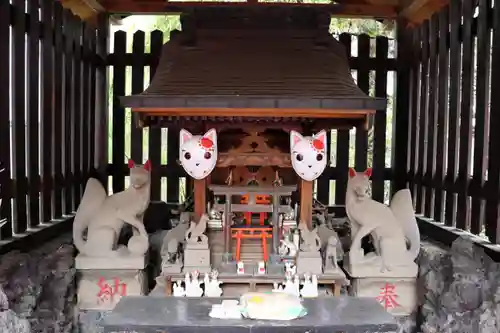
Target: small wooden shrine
253,75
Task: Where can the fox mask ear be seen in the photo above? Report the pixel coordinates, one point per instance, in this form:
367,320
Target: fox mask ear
147,165
131,164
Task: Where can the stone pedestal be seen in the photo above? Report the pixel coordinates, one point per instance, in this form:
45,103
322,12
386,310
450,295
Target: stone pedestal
170,268
197,258
397,295
309,262
371,266
102,282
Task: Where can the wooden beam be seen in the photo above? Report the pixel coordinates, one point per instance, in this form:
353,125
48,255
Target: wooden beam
157,7
87,10
417,11
412,7
306,202
427,11
200,198
249,112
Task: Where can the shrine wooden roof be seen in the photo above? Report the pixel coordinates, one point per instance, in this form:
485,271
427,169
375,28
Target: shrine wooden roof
249,63
415,11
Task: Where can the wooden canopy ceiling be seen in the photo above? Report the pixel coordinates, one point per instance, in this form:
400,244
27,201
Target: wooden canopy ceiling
415,11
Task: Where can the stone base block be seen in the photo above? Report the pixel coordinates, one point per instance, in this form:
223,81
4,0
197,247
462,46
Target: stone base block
128,262
309,262
197,257
332,270
373,267
397,295
102,289
168,268
200,269
275,269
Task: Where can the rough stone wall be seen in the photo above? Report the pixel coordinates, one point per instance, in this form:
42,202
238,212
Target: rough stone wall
39,288
460,290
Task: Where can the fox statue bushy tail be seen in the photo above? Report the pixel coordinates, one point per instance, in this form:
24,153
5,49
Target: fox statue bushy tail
93,197
402,208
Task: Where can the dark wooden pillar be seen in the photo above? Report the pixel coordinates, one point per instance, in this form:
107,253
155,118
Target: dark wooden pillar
306,202
200,198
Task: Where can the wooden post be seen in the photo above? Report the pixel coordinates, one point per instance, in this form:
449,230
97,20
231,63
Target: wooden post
200,198
276,226
306,201
227,229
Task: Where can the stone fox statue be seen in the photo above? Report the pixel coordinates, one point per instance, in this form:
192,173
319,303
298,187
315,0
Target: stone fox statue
392,227
103,216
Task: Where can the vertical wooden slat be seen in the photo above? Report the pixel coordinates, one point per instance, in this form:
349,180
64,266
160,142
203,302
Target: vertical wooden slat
442,110
453,133
379,136
138,46
482,115
360,155
423,106
86,102
118,140
18,117
68,114
343,139
93,99
432,116
5,183
58,109
323,182
402,122
172,157
32,121
47,115
463,208
77,123
102,95
155,133
415,112
492,220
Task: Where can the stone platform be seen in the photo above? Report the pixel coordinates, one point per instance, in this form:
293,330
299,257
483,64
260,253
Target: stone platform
183,315
102,282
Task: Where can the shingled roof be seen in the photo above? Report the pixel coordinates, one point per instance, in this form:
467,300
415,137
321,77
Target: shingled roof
261,59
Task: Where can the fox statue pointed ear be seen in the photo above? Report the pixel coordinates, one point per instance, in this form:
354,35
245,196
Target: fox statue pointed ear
352,173
131,164
368,172
294,138
147,165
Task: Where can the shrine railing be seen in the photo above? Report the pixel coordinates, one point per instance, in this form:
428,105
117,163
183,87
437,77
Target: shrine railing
453,167
50,102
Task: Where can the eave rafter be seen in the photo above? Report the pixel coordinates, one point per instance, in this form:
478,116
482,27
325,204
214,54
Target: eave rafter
85,9
382,9
417,11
